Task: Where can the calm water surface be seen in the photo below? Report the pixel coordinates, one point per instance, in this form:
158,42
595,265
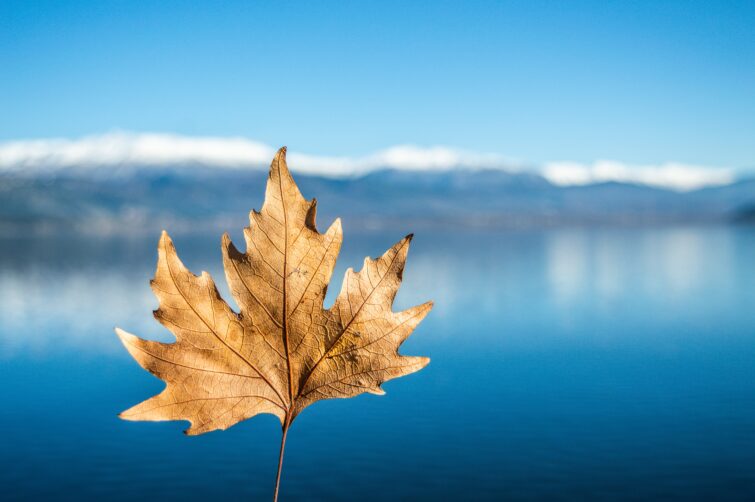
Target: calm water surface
566,364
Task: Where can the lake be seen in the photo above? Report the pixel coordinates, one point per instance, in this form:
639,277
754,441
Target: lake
571,363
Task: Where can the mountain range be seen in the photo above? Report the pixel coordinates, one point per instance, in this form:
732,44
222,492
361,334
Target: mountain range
201,198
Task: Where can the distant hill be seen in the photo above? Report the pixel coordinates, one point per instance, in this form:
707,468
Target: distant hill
199,198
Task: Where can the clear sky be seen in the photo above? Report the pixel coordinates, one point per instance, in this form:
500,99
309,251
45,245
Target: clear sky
639,82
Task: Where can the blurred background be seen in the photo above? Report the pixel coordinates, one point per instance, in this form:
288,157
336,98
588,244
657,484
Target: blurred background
579,176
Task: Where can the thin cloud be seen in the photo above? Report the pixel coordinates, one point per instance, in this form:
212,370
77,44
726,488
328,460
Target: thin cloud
129,150
682,177
151,149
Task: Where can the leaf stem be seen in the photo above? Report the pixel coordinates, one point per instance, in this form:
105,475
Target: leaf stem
286,425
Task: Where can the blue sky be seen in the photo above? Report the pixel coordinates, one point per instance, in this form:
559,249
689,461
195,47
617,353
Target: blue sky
639,82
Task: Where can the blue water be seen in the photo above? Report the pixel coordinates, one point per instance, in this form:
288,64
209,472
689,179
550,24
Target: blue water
566,364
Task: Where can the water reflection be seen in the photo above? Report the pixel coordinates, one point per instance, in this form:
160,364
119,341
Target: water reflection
568,363
562,274
568,263
44,310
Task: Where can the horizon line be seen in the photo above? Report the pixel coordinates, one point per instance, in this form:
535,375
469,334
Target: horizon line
149,149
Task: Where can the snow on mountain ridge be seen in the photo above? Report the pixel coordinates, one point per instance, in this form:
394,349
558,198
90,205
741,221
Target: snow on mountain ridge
144,150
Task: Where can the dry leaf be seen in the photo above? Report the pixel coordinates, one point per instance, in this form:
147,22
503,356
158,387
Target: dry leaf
283,351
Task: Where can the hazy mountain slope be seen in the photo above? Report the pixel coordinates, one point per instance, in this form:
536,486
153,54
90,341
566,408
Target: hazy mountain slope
199,198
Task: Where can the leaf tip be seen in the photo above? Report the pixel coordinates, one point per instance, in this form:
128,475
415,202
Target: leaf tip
195,431
125,415
335,228
123,335
409,237
165,240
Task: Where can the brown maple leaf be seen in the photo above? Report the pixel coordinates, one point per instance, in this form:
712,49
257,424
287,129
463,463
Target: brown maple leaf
283,350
